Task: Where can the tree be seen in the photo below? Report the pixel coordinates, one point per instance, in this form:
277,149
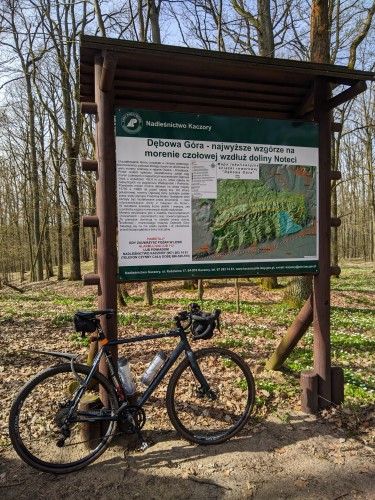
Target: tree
64,23
24,29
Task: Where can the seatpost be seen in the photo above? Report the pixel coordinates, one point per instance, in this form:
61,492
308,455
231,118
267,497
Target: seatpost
100,330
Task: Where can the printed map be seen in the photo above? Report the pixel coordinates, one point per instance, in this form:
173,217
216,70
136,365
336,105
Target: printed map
270,218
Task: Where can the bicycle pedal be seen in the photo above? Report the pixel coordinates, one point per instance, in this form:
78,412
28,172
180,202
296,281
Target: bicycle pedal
143,446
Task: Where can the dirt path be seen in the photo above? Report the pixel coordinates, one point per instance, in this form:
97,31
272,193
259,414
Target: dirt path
304,458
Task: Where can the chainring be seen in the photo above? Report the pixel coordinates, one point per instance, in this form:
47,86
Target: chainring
132,418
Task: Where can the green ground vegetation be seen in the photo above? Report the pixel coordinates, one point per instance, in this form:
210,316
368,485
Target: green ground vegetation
254,333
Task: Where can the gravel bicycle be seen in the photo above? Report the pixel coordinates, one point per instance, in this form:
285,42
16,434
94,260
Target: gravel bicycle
65,417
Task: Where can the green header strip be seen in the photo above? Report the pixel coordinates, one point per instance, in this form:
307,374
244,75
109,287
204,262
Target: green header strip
189,126
188,271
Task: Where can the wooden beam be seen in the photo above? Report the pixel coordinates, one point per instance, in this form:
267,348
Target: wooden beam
89,165
336,127
203,108
90,221
106,204
89,108
335,222
321,294
131,76
307,105
335,175
148,89
205,100
345,96
91,279
335,270
109,70
337,380
309,392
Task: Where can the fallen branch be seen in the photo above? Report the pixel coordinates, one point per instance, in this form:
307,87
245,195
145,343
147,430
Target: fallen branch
207,481
21,290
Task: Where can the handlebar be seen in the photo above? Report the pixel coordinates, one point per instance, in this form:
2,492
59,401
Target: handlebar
202,324
211,317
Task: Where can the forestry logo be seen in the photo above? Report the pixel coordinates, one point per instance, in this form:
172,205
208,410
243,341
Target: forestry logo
131,123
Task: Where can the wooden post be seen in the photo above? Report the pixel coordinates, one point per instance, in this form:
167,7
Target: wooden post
105,199
337,380
309,392
90,431
321,294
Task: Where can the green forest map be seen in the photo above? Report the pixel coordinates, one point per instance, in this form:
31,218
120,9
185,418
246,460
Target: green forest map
270,218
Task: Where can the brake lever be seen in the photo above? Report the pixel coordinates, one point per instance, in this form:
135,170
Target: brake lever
183,315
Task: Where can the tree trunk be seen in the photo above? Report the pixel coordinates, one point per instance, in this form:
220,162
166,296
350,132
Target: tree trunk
34,180
298,291
122,294
154,21
60,251
237,289
319,33
189,284
265,31
45,203
269,283
200,289
148,298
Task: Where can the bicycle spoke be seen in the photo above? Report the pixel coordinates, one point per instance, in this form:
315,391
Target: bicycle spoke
43,434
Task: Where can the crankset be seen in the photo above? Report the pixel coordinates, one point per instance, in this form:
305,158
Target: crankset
132,418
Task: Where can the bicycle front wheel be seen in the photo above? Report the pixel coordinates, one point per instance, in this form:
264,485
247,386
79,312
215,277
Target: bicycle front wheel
211,417
40,431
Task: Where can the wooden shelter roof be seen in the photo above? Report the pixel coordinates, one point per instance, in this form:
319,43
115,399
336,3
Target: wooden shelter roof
168,78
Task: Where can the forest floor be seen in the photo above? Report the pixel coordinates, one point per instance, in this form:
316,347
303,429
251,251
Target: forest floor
281,453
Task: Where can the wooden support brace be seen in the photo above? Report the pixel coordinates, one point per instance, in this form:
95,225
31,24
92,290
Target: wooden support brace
345,96
309,392
91,279
295,332
89,165
90,221
89,108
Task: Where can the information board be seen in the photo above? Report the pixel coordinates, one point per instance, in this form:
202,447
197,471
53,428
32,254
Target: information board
210,196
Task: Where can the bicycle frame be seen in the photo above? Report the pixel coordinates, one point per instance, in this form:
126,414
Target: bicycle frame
182,346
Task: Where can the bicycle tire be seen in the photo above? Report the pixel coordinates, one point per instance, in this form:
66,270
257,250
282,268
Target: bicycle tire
197,417
36,417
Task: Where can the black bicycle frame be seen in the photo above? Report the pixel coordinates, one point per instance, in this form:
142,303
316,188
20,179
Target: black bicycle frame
183,346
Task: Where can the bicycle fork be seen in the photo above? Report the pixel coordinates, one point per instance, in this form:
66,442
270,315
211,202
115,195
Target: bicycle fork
204,389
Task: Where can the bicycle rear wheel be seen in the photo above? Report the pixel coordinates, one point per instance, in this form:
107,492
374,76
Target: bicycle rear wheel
40,410
221,413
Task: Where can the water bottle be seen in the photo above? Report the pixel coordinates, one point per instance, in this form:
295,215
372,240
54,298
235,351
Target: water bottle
154,367
126,376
